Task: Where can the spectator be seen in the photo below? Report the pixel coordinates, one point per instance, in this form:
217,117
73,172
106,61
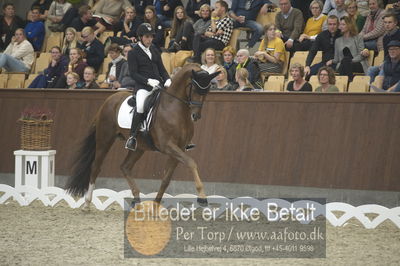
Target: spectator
356,17
324,42
202,24
89,76
392,33
373,30
114,67
209,61
244,61
76,64
328,6
222,83
72,80
140,5
56,13
57,67
213,3
86,19
218,34
125,81
70,40
34,30
228,55
327,80
339,11
151,18
93,3
128,26
245,13
193,8
362,6
181,32
9,22
93,48
313,27
165,11
348,50
19,54
43,6
298,83
289,22
391,68
303,6
271,53
108,12
242,78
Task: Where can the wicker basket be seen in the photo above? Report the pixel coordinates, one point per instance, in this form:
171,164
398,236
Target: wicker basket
35,134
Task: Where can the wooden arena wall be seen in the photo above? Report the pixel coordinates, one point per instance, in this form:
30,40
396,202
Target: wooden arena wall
349,141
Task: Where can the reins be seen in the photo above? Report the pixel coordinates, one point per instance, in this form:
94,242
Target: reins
189,102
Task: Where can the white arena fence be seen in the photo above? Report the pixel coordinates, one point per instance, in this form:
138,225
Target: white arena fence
50,196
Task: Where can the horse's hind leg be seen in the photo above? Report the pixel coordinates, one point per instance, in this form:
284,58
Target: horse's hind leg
126,167
171,166
104,139
179,155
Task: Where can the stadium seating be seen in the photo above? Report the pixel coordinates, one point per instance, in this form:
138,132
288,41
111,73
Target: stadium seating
359,84
274,83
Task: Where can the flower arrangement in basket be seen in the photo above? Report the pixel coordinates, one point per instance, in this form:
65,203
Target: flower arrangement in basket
36,128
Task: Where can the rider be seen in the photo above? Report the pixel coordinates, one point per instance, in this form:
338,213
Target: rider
148,71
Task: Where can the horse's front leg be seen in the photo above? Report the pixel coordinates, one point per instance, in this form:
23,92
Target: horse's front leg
126,167
174,151
170,166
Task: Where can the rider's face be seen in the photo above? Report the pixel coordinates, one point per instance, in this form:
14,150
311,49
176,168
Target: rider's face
147,39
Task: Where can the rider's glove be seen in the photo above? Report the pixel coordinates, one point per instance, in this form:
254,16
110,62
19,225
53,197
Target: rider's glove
167,83
153,83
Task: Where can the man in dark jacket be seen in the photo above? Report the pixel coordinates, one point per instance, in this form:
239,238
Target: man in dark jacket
324,42
93,48
391,68
148,71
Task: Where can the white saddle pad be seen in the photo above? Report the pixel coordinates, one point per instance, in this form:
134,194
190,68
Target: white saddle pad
125,115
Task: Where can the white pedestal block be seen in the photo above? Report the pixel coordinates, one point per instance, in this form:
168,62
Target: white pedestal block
34,168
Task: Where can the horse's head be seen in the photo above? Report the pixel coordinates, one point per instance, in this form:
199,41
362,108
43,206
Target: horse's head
201,83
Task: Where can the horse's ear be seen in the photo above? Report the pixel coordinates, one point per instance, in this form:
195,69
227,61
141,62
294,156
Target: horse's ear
213,75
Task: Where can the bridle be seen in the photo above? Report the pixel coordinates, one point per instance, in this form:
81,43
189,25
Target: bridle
197,88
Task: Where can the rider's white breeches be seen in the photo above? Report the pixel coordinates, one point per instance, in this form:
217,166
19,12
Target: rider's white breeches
141,96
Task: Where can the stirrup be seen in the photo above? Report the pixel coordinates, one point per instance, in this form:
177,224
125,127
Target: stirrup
190,146
129,141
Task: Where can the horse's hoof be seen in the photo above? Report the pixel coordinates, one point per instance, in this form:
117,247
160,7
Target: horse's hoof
202,202
134,202
86,207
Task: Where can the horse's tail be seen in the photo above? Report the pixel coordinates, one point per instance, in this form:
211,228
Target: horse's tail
78,183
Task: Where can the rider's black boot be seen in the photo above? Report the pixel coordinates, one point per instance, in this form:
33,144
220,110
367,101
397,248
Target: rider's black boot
131,143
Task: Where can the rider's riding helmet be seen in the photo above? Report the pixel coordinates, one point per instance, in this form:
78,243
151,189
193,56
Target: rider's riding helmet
145,29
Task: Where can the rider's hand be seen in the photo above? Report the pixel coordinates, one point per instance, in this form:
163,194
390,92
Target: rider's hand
153,83
167,83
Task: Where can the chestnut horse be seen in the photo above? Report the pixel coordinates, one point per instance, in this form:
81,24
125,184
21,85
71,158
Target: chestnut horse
178,106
